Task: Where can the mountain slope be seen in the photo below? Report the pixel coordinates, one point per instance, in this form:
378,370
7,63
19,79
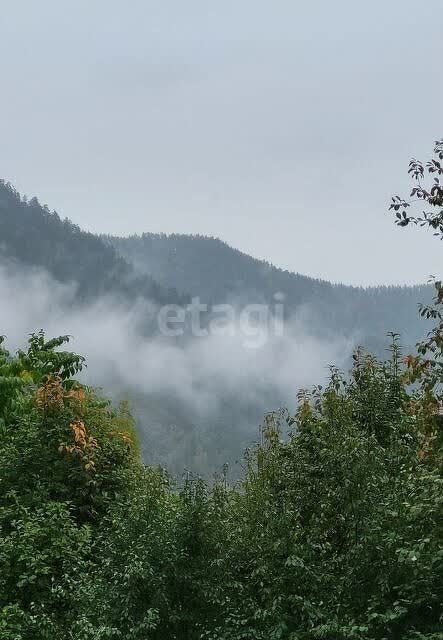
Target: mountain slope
32,235
209,268
156,266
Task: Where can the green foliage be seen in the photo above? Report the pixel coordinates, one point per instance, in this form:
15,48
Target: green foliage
335,534
43,360
65,458
332,533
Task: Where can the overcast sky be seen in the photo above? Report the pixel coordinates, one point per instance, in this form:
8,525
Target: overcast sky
282,127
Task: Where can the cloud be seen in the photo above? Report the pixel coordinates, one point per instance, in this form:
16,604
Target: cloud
190,380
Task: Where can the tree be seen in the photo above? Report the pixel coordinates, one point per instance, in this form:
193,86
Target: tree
426,367
66,457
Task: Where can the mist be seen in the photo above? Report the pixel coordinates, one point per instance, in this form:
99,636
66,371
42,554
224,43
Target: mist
217,386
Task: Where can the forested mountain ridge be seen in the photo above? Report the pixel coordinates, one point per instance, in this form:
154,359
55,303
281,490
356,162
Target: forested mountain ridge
210,268
157,266
34,236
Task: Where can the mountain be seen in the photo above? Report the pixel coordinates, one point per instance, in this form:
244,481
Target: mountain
34,236
158,266
217,273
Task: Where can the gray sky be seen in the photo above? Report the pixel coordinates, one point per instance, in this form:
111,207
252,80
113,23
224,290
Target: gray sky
282,127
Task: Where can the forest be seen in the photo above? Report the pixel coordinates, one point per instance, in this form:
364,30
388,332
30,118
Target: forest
332,532
172,268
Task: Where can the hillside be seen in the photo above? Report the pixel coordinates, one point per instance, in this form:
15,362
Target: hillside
34,236
158,266
211,269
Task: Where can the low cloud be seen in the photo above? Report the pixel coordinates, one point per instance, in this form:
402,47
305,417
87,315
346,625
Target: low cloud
193,378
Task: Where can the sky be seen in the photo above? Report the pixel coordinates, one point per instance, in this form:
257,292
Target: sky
281,127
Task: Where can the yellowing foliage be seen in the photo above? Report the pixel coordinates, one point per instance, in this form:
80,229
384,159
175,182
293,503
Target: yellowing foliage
50,396
83,445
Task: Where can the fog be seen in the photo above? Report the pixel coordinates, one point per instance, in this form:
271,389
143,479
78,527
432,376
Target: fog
188,382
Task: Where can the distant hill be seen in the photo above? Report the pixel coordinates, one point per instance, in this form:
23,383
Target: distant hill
211,269
158,266
32,235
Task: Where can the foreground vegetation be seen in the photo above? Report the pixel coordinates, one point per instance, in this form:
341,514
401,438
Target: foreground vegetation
334,532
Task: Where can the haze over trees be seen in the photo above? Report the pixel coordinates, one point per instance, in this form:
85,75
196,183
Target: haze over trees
209,268
201,412
157,266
